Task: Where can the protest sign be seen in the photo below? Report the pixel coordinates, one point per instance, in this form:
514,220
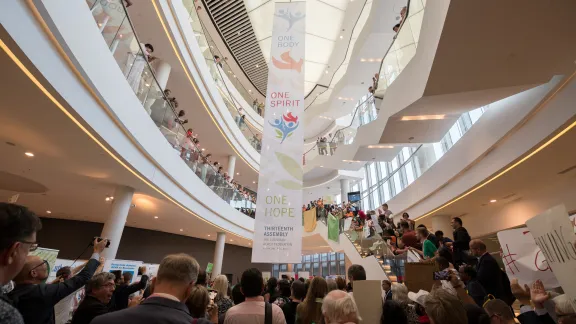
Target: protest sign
554,234
124,266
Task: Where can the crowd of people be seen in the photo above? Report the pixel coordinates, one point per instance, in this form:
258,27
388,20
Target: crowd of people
478,292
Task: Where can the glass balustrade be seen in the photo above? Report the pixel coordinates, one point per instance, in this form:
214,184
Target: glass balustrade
399,54
224,78
136,62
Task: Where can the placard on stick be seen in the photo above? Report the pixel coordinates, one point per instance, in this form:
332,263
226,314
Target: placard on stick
419,275
554,234
368,297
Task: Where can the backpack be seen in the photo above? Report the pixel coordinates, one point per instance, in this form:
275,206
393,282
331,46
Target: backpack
281,301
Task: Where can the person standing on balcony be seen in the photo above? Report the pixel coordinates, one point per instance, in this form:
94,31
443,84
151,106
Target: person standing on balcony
135,68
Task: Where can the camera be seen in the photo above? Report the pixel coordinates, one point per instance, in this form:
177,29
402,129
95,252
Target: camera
99,239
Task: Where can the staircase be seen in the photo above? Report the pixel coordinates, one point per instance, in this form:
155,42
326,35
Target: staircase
372,253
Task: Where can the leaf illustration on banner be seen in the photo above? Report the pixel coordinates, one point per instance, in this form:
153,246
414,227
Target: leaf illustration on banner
290,165
289,184
278,133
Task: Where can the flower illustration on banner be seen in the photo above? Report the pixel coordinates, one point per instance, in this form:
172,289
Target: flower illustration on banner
285,126
287,62
289,17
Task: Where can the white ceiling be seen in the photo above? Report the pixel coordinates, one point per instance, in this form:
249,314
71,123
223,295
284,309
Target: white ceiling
324,21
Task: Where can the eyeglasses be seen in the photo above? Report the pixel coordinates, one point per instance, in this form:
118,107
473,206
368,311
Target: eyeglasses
38,266
33,245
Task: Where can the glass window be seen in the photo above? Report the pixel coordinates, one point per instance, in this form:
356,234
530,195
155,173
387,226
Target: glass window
316,269
405,153
316,257
373,174
375,198
340,256
307,258
342,269
397,183
386,189
356,187
324,256
338,199
333,268
475,115
409,172
325,269
283,267
455,133
394,164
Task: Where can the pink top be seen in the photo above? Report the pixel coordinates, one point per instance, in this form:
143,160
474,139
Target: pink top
252,312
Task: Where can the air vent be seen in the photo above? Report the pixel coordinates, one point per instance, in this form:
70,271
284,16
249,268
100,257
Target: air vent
234,26
567,170
510,195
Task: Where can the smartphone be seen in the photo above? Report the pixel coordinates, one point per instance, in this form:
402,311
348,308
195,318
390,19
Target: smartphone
441,275
213,295
100,239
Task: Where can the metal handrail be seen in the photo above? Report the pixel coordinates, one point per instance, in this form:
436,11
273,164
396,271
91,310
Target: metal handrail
173,109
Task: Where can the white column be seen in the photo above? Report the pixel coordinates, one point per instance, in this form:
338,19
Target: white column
162,72
344,189
442,223
231,165
115,223
218,254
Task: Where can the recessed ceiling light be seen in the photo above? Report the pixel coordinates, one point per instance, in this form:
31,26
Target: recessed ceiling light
156,217
208,234
253,181
107,199
181,230
341,36
321,166
249,90
203,149
30,154
493,200
231,240
48,212
362,60
423,117
237,173
380,146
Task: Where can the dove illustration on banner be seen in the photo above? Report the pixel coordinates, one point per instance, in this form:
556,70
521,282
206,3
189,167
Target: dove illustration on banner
288,63
291,19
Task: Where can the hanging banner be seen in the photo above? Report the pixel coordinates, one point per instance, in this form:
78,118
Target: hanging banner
554,234
278,225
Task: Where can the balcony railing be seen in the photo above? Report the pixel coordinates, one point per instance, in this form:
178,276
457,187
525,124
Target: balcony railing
218,68
135,59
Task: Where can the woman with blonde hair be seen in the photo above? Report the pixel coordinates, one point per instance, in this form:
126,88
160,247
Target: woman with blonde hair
310,310
222,300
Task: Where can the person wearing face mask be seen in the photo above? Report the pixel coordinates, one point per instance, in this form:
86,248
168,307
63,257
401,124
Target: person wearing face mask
35,299
173,285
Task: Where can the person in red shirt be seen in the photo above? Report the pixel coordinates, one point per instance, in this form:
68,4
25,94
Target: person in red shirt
408,237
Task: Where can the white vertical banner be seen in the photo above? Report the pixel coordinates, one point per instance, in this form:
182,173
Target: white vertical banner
278,226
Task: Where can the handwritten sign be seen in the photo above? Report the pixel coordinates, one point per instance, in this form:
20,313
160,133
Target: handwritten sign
554,234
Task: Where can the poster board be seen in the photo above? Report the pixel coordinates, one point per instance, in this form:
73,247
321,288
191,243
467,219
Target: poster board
60,263
266,275
554,234
304,274
419,275
368,297
49,255
124,266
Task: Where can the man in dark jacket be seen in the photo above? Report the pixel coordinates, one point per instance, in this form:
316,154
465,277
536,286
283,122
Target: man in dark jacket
18,227
473,287
99,291
489,273
176,276
460,247
124,290
35,300
298,290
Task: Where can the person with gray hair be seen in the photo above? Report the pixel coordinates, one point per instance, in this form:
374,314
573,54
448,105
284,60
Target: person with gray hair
331,284
400,295
339,307
99,290
173,284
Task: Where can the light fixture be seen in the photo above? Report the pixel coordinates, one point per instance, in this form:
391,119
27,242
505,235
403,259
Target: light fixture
321,166
423,117
350,161
341,36
30,154
208,234
203,149
380,146
253,181
493,200
181,230
326,72
48,212
362,60
107,199
237,173
249,90
156,217
231,240
257,65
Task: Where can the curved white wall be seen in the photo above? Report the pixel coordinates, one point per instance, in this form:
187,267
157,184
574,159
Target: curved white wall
477,149
131,134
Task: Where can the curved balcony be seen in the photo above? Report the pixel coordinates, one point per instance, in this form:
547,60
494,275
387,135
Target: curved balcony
398,55
238,100
133,58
